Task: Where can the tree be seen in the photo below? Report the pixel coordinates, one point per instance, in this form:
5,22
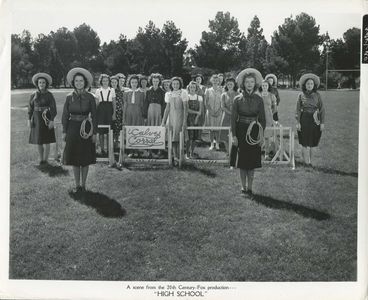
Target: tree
88,44
297,41
65,49
220,47
256,46
345,53
174,47
21,56
42,53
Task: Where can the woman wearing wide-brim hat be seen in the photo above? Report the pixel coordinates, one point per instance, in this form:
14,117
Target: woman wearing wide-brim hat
247,124
41,114
79,126
272,80
310,115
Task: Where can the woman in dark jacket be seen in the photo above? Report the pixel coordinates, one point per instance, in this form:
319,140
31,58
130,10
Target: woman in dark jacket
248,108
41,114
310,115
79,126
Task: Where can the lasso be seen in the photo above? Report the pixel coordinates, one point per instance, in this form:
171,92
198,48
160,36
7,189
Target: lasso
259,138
45,118
85,135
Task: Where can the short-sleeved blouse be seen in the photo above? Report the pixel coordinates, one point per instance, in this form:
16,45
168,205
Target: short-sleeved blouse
103,94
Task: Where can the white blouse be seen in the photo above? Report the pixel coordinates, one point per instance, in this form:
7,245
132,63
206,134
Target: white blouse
194,97
181,93
105,94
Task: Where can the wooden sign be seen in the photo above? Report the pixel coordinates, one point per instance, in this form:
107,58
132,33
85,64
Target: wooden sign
145,137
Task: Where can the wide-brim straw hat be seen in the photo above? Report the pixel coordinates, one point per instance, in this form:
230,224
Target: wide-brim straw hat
41,75
86,73
273,76
248,71
307,76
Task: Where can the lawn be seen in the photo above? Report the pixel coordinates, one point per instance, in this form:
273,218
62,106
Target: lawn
191,224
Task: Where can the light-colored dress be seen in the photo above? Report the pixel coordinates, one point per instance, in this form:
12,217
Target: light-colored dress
213,102
269,102
176,100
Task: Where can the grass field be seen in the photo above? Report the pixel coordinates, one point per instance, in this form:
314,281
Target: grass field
190,224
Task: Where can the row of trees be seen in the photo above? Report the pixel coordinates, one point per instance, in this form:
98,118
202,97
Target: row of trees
296,46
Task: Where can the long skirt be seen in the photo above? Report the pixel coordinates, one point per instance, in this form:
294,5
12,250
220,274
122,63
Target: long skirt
40,133
104,116
310,132
118,123
134,116
78,151
249,156
154,115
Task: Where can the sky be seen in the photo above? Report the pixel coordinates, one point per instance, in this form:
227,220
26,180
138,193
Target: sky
110,18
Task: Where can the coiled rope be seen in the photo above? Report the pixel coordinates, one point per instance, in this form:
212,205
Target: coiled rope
45,118
259,138
316,118
85,135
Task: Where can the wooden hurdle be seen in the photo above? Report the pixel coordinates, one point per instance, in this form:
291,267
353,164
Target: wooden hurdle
110,147
281,156
183,159
124,159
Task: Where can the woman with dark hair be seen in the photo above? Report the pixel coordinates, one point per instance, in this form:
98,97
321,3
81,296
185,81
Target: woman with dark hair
195,107
269,102
199,79
212,99
227,100
272,80
116,125
221,77
247,124
79,122
106,109
41,114
310,115
154,102
143,84
176,109
133,105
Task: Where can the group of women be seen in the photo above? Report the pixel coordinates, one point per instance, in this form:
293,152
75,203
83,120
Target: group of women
247,103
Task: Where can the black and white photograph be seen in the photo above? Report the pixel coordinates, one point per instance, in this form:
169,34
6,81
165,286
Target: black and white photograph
184,149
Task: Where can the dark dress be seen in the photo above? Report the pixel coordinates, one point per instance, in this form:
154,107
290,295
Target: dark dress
246,108
79,151
154,106
307,105
193,104
276,93
118,123
40,133
104,108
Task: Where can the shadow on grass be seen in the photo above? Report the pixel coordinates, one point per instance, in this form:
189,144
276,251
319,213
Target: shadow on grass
194,168
297,208
53,171
326,170
104,205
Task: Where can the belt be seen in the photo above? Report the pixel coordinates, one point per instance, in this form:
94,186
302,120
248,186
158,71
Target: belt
248,120
78,117
41,108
